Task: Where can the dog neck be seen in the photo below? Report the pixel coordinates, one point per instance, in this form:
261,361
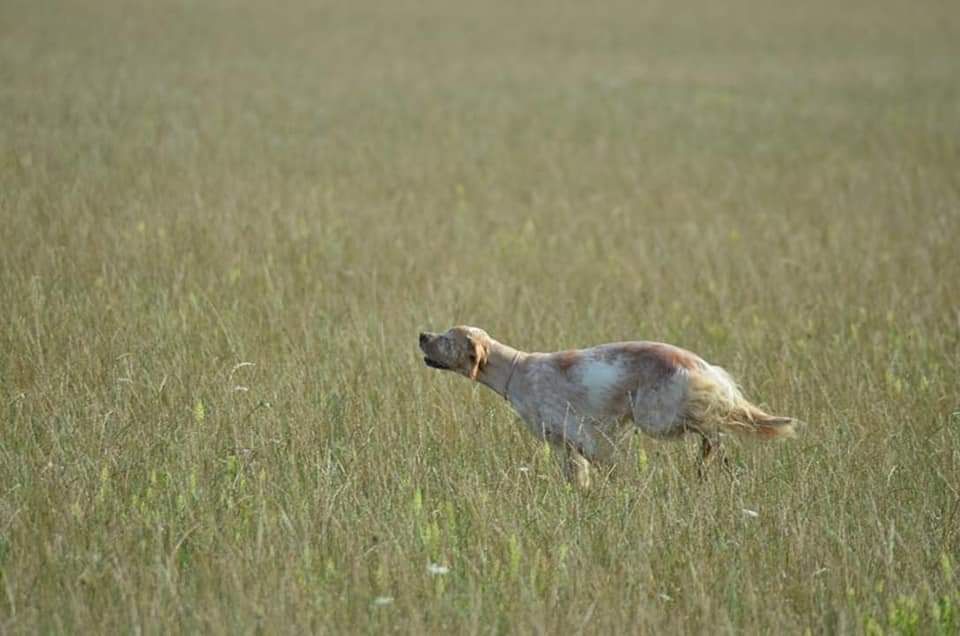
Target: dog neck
501,367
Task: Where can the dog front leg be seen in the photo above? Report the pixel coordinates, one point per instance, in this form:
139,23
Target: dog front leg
577,468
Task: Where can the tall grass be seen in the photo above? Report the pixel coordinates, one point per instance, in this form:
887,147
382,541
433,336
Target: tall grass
223,225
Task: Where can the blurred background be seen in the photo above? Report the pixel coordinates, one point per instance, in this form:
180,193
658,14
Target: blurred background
224,223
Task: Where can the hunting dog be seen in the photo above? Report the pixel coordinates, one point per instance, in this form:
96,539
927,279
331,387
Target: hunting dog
586,401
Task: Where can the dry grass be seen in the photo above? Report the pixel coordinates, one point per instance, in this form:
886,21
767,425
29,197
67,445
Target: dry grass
189,187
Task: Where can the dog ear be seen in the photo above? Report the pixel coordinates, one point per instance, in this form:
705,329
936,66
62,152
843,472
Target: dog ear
478,357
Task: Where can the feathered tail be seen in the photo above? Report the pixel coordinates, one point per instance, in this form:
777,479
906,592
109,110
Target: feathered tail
714,401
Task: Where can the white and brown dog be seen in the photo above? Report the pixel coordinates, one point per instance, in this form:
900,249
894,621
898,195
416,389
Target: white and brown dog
585,401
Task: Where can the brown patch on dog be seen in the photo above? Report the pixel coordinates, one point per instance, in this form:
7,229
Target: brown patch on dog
673,357
566,359
652,361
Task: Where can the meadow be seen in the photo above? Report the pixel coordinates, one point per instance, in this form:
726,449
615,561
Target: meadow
223,224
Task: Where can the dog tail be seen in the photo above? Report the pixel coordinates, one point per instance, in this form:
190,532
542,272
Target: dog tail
714,401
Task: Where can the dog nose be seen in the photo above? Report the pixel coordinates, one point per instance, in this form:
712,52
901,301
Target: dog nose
423,337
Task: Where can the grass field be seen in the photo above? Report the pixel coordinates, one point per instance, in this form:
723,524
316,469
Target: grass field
222,226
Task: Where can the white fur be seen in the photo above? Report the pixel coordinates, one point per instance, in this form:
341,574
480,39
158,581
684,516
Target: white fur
725,382
599,378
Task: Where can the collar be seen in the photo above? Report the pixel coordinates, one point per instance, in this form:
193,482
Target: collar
513,367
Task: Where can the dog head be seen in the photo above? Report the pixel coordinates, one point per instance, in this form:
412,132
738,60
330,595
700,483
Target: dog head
461,349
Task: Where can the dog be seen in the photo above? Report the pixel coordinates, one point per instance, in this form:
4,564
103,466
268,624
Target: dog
585,401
